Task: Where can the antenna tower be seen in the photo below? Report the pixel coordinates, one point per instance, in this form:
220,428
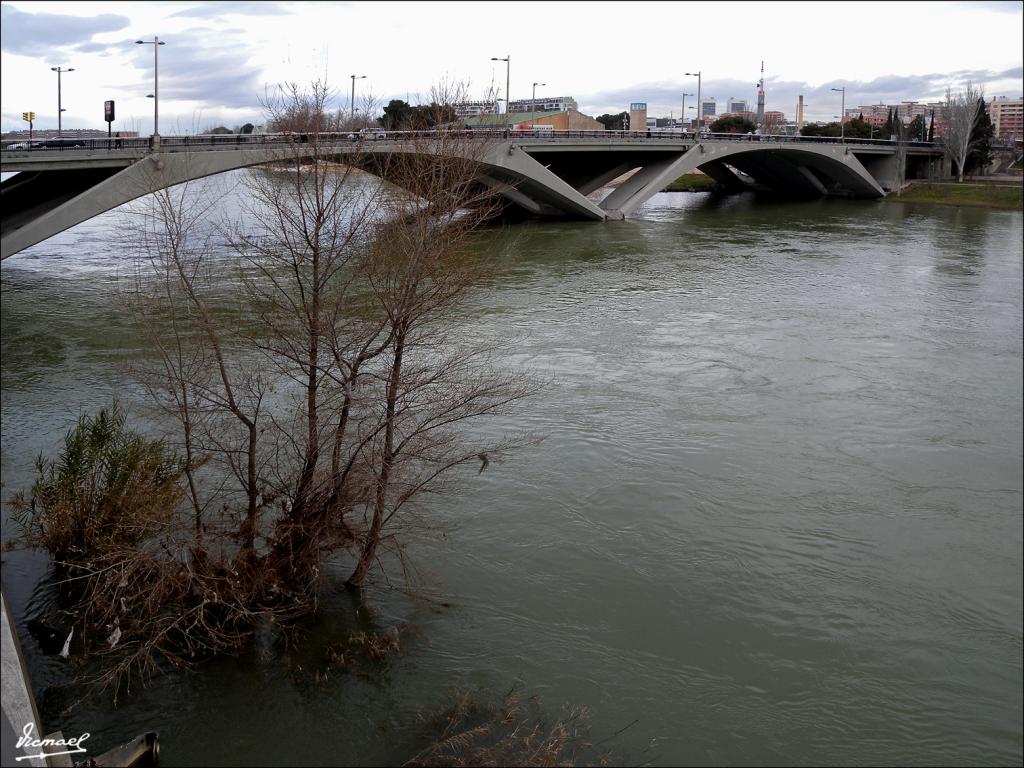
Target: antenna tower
760,98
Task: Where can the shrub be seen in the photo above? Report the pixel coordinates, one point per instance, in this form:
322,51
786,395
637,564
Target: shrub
110,488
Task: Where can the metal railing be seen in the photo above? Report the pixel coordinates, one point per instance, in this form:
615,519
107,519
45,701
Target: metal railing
238,141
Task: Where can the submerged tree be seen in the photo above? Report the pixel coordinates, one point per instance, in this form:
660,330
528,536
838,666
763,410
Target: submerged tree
316,378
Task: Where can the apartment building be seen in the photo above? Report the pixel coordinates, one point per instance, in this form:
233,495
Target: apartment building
546,104
1007,118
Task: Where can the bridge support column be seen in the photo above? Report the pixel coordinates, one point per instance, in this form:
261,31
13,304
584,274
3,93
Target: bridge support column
543,186
512,194
644,184
599,181
813,180
724,176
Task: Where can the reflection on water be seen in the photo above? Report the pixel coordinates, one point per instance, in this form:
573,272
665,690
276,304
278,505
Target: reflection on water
775,518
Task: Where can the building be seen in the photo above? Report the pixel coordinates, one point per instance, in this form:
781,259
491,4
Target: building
638,115
566,120
877,114
546,104
1007,116
466,109
734,106
708,108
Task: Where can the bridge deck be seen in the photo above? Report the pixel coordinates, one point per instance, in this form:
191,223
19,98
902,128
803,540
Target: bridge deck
546,173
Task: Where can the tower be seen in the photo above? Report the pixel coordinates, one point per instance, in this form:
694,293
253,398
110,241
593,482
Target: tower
760,98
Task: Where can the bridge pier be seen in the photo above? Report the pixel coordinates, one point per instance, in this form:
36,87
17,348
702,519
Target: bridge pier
883,168
642,185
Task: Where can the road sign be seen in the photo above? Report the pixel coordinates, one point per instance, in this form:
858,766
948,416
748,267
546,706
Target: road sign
108,111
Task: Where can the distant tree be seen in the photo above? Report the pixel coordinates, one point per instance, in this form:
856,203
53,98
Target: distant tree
247,128
889,128
732,124
858,128
931,128
401,116
614,122
427,116
918,129
816,129
218,131
981,140
959,114
397,115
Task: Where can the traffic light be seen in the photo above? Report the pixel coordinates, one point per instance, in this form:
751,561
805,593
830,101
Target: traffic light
28,117
24,116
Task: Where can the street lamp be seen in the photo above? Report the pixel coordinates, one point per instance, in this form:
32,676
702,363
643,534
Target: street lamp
354,78
508,98
533,99
682,113
156,42
842,115
60,109
697,75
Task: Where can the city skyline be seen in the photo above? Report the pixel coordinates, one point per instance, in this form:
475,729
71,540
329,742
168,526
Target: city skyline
221,58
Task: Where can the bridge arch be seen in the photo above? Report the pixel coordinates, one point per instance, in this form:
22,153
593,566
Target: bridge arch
545,176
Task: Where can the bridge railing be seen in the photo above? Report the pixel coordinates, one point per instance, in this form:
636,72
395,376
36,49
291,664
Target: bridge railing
237,141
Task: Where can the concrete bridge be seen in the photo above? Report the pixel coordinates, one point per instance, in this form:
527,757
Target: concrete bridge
554,175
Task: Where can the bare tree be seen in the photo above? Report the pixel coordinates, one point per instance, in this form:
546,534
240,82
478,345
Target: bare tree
959,113
317,386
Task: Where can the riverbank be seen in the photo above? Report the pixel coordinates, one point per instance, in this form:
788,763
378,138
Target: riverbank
1004,196
691,182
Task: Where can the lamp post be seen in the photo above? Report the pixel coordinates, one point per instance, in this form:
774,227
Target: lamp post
682,113
699,116
60,109
156,42
842,115
533,100
354,78
508,98
497,109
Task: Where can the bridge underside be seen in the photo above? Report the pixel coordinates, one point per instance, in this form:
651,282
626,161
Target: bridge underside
539,179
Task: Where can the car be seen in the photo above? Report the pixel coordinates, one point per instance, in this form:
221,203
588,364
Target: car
25,145
372,134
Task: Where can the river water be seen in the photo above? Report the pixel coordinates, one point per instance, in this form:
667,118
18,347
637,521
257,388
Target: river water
776,516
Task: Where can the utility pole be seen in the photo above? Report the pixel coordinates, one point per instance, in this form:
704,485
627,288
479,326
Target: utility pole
354,78
508,98
60,109
700,117
682,114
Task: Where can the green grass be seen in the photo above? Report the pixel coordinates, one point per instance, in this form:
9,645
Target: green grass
691,182
1007,197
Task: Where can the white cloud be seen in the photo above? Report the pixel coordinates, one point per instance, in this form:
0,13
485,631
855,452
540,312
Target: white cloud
219,56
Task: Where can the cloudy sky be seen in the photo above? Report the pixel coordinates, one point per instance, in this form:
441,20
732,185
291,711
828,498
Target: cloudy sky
221,57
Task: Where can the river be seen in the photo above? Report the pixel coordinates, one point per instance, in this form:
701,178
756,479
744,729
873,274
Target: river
776,517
